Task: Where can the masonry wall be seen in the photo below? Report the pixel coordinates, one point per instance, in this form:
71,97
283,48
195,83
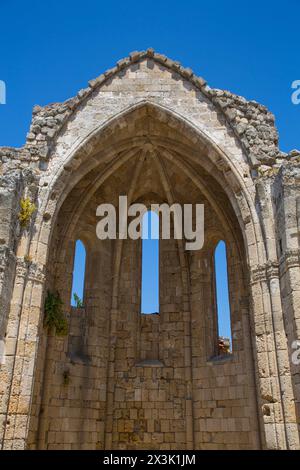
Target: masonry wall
69,399
150,386
197,143
143,361
224,394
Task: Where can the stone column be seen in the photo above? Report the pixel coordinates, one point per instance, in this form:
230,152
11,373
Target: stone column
22,333
10,195
274,370
286,191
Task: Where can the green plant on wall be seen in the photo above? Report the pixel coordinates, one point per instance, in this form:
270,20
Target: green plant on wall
27,209
54,317
77,300
28,259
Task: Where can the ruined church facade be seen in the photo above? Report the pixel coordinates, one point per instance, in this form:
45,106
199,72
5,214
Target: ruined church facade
116,379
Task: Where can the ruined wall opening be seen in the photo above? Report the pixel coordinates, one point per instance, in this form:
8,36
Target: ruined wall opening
150,263
149,357
223,310
78,278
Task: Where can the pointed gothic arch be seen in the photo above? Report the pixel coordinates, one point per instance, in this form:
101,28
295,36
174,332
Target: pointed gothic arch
192,146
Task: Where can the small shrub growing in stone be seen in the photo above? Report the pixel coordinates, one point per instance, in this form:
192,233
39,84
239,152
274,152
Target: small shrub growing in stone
78,301
27,209
54,316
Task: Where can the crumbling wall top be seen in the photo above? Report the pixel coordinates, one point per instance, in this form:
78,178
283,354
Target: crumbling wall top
252,123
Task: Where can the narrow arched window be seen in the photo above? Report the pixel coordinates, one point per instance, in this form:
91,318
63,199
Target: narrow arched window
222,299
150,263
77,295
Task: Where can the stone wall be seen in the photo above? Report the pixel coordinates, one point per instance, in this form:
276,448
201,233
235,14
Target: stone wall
150,129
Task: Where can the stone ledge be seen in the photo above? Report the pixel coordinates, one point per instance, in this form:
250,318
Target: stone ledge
222,359
150,363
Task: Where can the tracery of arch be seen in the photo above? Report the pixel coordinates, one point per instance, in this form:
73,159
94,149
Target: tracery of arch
156,140
193,146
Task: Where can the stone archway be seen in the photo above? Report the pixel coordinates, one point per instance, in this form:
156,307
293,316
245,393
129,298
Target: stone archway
102,150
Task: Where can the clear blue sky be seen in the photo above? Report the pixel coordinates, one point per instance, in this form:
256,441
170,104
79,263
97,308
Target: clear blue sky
222,293
150,263
49,50
78,272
